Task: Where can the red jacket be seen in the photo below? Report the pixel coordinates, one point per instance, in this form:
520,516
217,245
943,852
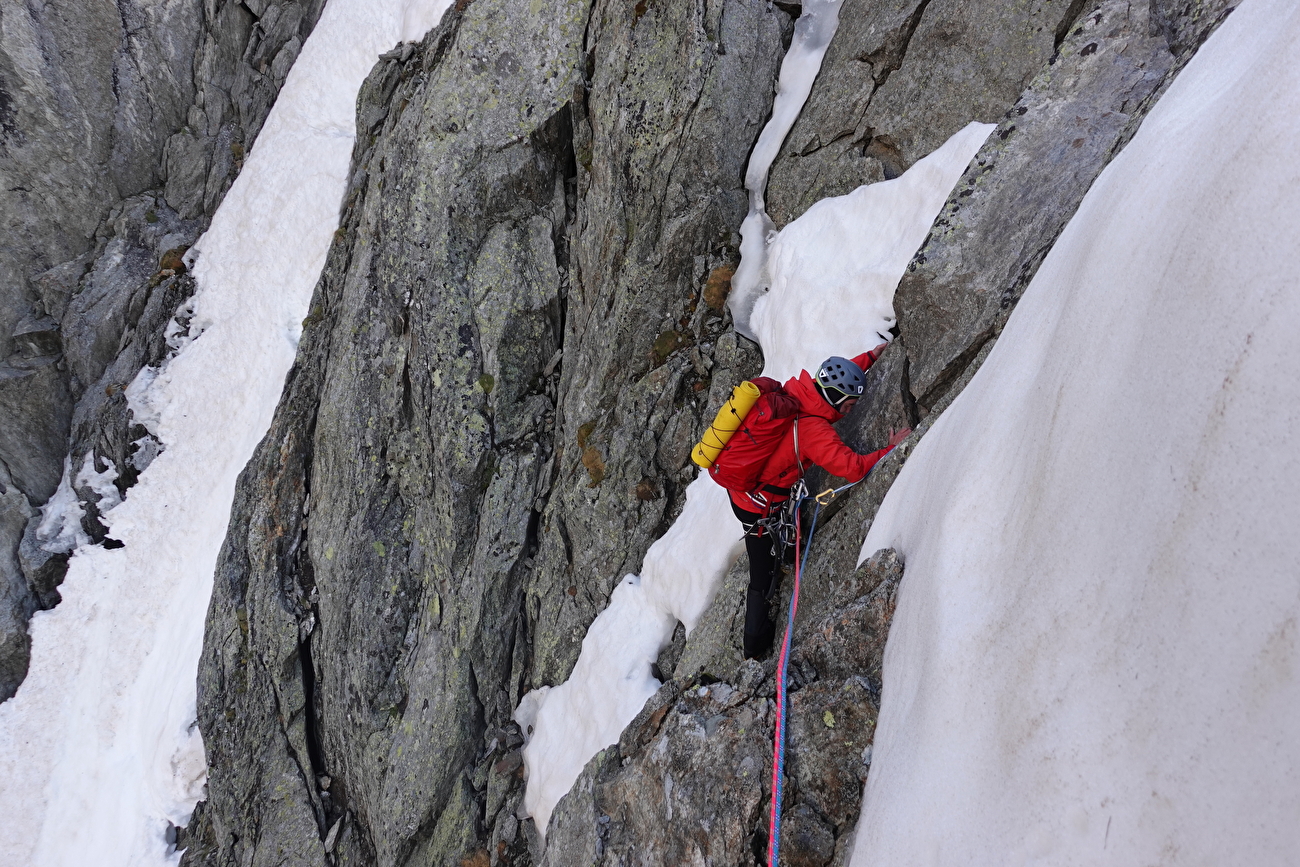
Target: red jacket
819,444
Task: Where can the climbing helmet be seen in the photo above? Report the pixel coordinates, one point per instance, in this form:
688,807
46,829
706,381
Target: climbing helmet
839,379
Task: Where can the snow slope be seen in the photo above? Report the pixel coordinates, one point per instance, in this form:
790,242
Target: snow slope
98,750
1094,658
861,243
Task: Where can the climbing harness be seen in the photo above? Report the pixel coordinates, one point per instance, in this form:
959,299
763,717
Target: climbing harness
797,496
784,527
780,526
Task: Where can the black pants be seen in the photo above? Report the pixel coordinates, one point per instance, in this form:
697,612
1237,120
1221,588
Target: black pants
764,578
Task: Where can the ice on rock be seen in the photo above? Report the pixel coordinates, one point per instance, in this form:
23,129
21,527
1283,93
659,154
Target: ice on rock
98,750
59,530
832,273
146,449
140,395
1095,650
100,482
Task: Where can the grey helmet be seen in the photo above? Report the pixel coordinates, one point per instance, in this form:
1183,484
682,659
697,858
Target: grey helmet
839,379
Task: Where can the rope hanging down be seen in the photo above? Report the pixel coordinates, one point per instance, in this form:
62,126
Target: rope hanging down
778,744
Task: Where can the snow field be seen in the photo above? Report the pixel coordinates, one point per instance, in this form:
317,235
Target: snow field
1094,657
832,275
99,750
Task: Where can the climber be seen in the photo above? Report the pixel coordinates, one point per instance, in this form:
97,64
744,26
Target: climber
816,403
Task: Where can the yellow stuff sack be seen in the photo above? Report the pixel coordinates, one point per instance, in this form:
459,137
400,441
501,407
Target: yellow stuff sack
728,421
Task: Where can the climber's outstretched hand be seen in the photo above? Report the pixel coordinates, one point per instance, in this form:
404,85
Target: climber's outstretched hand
897,436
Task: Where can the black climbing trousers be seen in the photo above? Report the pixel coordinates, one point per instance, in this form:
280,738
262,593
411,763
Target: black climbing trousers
764,578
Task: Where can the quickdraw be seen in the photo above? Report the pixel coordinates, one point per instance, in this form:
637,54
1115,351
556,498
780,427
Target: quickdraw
780,527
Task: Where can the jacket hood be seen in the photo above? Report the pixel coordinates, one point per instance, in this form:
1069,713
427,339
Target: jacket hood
803,388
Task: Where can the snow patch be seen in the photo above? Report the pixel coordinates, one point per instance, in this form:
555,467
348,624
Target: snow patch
834,270
1094,657
607,687
98,750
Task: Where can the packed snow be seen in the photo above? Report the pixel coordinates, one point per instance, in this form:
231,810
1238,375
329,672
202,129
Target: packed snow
1094,657
99,750
834,270
861,244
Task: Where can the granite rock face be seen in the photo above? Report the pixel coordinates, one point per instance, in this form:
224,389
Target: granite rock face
963,283
371,621
677,95
689,781
87,99
365,642
1186,24
89,107
240,63
980,255
99,206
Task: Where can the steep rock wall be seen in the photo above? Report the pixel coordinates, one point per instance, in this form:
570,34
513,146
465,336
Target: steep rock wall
899,79
369,634
676,97
89,98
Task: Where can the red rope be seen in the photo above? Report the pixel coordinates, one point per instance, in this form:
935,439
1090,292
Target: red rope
778,742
